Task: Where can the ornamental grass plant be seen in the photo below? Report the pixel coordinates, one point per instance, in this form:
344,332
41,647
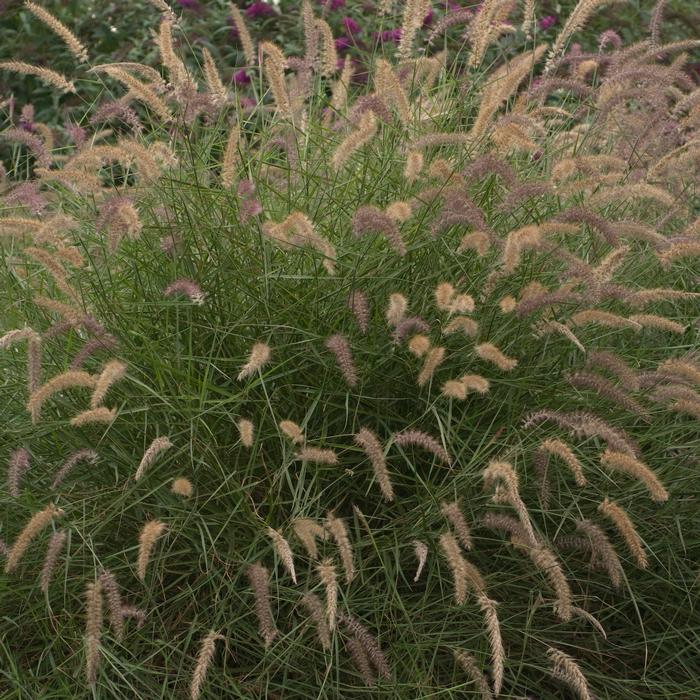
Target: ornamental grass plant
340,389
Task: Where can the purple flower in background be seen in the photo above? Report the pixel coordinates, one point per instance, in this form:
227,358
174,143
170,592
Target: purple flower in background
546,22
333,4
190,5
389,35
259,9
428,19
343,43
241,77
351,26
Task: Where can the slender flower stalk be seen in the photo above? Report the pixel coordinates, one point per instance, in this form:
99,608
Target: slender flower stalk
627,530
339,532
566,670
563,451
326,572
93,630
148,536
307,531
369,644
59,29
293,431
576,20
53,552
229,164
159,444
413,16
114,603
246,431
433,359
359,306
420,439
421,551
284,551
204,659
498,655
84,455
456,562
260,355
363,134
369,442
389,88
187,287
315,607
38,522
259,577
46,75
213,79
339,346
317,455
61,382
101,414
361,660
490,353
243,35
113,371
603,554
453,513
475,383
620,461
502,84
139,90
503,477
469,665
274,63
56,270
16,467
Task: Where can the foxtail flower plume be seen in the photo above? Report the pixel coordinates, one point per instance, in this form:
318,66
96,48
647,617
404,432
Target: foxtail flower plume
38,522
307,531
150,533
84,455
17,466
566,670
93,630
369,442
421,551
339,346
284,551
423,440
259,356
159,444
57,27
246,431
187,287
53,552
622,462
259,577
339,532
182,487
315,607
204,659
